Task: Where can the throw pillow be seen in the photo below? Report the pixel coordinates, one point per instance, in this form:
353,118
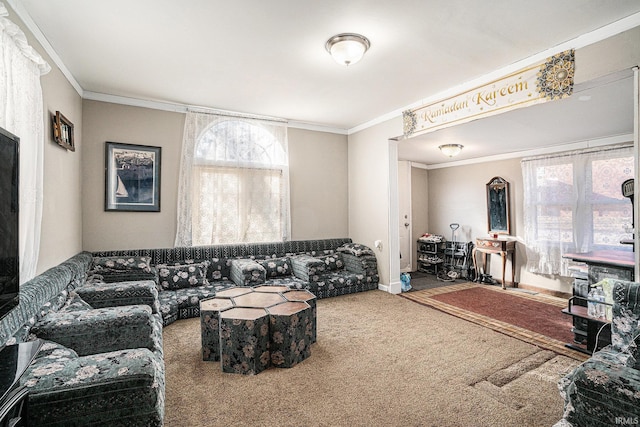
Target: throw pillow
276,267
355,249
172,277
332,262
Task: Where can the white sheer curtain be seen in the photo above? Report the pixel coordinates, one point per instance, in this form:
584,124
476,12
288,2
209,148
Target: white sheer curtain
21,113
573,203
234,181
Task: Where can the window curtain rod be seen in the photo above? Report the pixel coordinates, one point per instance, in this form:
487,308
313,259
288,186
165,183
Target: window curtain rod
232,114
575,152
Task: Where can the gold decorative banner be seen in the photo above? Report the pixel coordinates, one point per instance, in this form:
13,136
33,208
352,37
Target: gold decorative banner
550,80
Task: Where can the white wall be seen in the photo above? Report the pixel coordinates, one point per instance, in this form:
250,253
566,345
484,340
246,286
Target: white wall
369,191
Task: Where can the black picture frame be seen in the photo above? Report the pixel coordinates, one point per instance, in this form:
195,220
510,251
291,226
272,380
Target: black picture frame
498,209
132,177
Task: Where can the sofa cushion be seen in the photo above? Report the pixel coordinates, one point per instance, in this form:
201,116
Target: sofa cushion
247,272
355,249
332,262
75,303
276,267
120,269
219,268
100,330
99,294
172,277
120,388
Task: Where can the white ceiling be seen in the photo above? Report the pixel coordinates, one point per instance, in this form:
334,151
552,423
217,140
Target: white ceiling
268,58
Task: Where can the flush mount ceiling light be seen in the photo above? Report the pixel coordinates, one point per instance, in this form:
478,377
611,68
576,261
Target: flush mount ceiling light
347,48
451,150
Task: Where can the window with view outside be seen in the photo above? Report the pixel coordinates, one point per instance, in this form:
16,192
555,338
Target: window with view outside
573,203
239,185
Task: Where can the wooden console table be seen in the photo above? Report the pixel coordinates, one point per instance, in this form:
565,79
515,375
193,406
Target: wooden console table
490,246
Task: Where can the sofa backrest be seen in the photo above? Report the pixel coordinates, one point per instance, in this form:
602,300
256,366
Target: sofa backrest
224,252
40,294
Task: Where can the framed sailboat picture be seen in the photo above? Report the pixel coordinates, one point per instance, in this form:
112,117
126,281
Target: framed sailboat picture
132,177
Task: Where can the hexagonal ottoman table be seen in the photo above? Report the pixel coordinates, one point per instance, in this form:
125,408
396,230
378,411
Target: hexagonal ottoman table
248,329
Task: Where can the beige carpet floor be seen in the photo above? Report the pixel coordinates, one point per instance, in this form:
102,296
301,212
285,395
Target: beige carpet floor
380,360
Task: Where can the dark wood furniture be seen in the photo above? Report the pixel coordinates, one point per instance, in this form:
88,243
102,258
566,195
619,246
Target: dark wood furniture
501,246
606,263
14,360
600,265
597,333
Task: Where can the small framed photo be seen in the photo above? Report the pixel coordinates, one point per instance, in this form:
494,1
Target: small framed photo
132,177
63,131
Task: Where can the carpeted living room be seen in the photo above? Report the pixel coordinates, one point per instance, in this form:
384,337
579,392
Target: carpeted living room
412,213
380,359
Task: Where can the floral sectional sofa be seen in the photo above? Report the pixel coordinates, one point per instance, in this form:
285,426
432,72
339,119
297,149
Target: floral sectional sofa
100,318
185,275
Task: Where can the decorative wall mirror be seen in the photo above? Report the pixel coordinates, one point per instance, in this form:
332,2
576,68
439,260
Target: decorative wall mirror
498,206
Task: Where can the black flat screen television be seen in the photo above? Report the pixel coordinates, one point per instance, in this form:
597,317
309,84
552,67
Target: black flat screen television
9,204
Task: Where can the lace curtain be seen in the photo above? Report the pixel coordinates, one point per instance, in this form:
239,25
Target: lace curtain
234,181
573,203
21,113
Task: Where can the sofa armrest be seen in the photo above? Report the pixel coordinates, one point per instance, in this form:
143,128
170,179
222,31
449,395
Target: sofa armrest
100,295
101,330
123,387
247,272
307,268
366,264
601,389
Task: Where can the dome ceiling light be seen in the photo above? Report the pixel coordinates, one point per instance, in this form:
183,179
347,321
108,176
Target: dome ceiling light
347,48
451,150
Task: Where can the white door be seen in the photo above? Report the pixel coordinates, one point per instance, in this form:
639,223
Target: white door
404,211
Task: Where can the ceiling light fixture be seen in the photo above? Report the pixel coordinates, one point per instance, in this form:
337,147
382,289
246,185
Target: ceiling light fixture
451,150
347,48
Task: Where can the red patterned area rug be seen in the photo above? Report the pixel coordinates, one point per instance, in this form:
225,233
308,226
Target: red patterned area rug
536,319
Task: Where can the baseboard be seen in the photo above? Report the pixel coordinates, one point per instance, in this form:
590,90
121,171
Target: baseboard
545,291
392,288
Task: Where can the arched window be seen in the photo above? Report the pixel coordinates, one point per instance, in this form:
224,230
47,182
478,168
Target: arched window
239,189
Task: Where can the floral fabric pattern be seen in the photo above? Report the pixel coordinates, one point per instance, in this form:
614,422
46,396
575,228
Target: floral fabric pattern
100,294
333,262
174,277
99,330
276,267
127,385
291,337
355,249
247,272
606,388
244,345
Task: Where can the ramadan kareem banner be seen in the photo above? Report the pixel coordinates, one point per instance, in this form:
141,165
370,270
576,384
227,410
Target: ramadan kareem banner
533,85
